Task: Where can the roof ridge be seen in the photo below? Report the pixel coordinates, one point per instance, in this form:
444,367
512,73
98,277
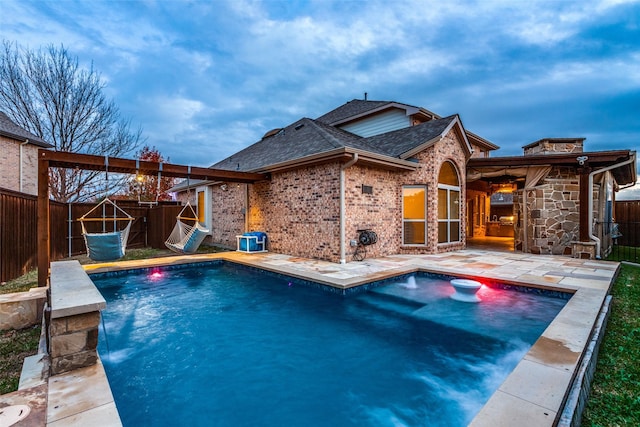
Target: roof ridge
330,138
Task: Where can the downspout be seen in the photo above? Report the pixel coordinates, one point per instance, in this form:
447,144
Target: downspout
350,163
26,141
246,207
591,175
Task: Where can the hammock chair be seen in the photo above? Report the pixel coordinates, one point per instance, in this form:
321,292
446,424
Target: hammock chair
106,246
185,238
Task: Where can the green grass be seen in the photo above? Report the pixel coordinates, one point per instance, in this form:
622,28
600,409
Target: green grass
615,391
21,284
14,347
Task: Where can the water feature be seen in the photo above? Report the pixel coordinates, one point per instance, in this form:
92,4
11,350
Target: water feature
226,346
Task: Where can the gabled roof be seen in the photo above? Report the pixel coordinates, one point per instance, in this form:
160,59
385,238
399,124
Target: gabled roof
404,143
11,130
309,140
357,108
300,139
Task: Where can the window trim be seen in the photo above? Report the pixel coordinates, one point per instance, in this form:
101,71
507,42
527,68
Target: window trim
449,188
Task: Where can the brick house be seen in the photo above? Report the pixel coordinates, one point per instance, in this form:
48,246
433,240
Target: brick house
19,157
393,168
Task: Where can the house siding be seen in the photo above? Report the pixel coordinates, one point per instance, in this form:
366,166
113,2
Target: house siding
10,166
380,123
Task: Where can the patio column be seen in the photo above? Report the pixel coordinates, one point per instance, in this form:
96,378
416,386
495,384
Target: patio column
43,219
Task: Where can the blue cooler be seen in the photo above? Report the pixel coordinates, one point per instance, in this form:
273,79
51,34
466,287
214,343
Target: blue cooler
254,241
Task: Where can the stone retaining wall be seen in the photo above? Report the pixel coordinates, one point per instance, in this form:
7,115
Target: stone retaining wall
21,310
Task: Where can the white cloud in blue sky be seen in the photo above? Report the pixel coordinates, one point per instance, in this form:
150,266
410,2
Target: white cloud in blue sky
205,79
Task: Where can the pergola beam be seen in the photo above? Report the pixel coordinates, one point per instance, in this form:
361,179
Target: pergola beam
59,159
67,160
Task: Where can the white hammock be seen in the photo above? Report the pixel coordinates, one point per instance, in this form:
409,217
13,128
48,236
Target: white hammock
185,238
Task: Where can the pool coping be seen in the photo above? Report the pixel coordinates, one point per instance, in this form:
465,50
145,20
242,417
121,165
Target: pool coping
535,392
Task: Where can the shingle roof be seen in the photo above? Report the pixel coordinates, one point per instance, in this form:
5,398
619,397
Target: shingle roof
307,137
11,130
352,108
395,143
302,138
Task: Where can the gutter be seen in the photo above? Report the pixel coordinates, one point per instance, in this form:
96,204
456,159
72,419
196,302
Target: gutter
350,163
592,236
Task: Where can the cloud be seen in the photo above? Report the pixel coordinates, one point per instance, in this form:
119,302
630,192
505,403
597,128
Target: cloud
217,75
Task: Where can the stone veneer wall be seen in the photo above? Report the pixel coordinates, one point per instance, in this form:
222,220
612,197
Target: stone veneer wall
10,166
546,147
553,220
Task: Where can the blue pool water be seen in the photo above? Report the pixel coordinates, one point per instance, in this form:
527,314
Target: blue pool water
225,346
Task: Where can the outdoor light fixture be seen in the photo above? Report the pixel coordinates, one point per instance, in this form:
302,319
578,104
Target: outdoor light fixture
582,159
223,187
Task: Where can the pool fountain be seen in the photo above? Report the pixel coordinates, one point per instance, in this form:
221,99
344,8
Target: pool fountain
465,290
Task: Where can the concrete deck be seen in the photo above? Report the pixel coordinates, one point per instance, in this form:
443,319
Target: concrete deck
532,395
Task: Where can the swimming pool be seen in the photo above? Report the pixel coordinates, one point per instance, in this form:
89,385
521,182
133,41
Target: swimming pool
226,346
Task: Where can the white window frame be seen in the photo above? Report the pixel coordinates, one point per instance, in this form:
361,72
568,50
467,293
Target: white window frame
449,220
207,204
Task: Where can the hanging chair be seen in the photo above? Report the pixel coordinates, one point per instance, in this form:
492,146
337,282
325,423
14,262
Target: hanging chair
185,238
108,245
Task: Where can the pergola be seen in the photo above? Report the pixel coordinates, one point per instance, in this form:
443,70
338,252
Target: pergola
59,159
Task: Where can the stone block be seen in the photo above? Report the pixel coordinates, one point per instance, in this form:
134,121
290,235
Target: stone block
66,344
83,322
58,326
70,362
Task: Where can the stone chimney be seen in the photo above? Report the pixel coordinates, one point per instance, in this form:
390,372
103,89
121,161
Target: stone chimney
554,146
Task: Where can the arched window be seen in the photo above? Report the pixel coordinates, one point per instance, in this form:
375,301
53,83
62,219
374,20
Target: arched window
448,204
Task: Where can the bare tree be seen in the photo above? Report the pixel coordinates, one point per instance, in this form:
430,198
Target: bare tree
49,94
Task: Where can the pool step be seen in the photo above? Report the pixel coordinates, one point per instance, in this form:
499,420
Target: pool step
447,313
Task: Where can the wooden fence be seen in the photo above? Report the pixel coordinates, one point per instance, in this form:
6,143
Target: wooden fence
627,216
18,225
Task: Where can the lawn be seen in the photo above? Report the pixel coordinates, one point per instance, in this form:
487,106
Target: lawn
615,391
14,347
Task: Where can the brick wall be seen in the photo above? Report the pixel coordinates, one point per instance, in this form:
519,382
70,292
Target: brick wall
10,166
228,208
300,209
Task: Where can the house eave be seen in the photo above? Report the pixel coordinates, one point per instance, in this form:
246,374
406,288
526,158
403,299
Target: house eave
461,134
20,138
341,155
